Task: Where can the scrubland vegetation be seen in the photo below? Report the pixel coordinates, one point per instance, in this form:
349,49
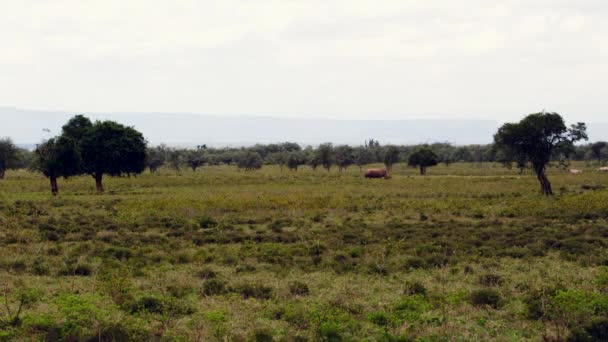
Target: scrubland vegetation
468,252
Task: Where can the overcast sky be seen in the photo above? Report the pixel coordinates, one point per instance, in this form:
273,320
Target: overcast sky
339,59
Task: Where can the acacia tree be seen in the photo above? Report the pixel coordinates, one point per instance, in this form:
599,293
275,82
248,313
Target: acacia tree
598,150
249,160
156,157
363,156
113,149
391,157
535,139
8,155
294,160
422,159
195,159
57,157
344,156
77,128
324,156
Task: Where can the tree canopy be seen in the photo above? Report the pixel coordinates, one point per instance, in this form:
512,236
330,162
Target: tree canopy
8,155
391,156
422,159
58,157
113,149
535,139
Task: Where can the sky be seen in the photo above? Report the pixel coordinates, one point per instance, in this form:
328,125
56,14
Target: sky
350,59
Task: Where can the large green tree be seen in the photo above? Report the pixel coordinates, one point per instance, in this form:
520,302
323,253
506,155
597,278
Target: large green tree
110,148
535,139
422,159
77,128
57,157
8,155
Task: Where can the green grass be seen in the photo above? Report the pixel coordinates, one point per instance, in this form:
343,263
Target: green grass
468,252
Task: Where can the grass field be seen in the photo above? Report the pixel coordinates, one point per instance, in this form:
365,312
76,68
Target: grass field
468,252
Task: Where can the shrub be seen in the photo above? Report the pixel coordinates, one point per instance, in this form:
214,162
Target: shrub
489,297
595,331
490,279
206,273
214,287
262,335
414,288
410,308
160,305
415,263
207,222
298,288
257,291
379,318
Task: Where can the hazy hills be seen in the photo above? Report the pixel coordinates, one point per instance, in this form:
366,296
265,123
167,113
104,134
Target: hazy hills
28,127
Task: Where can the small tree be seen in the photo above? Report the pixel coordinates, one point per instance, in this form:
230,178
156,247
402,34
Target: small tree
391,156
423,158
324,156
294,160
535,139
156,157
111,148
195,159
344,156
363,156
597,150
8,155
278,158
175,158
249,160
57,157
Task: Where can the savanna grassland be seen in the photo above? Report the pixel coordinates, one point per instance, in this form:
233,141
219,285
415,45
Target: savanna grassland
468,252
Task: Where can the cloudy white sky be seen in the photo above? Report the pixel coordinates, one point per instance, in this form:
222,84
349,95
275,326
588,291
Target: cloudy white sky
488,59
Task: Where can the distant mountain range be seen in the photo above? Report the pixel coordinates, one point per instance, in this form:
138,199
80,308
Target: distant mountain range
28,127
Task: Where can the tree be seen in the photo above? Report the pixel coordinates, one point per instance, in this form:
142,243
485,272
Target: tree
535,139
423,158
249,160
58,157
363,156
156,157
278,158
597,150
113,149
195,159
391,157
175,158
324,156
77,128
8,155
344,156
294,160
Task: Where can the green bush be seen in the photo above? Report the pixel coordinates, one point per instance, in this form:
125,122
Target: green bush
298,288
489,297
257,291
414,288
214,287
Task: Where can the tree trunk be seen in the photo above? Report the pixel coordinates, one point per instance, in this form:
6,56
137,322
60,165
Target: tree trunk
545,185
98,183
422,170
2,172
54,187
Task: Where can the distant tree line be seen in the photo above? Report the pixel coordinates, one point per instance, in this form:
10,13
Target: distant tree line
109,148
291,156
